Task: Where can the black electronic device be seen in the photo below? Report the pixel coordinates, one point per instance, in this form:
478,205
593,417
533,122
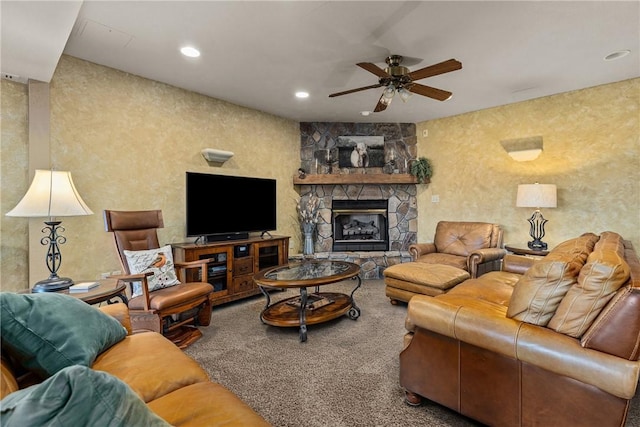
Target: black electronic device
240,251
224,207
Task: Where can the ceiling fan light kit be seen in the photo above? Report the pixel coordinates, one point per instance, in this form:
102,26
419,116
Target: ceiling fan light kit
398,78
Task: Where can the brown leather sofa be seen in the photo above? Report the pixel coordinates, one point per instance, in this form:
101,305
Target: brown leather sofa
546,342
171,383
475,247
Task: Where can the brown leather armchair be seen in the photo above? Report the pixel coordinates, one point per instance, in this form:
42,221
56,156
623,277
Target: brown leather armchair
475,247
175,311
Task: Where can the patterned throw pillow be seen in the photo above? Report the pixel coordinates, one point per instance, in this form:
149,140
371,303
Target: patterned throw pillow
159,262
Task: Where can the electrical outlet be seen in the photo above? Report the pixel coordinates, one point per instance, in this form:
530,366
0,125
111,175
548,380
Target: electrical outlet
104,275
435,199
425,133
14,78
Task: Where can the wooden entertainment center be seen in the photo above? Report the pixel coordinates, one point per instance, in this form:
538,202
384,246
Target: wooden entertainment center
234,263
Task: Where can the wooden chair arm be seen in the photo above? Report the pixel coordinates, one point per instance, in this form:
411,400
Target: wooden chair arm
130,279
201,264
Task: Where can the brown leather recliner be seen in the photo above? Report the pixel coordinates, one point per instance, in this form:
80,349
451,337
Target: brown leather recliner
475,247
174,311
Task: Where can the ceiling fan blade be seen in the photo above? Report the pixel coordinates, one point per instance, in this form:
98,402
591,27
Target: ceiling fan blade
381,106
373,68
434,70
346,92
431,92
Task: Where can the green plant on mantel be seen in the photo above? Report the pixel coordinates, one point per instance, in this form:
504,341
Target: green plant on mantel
421,169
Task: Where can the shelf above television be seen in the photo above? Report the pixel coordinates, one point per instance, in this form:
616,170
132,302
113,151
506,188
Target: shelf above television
356,178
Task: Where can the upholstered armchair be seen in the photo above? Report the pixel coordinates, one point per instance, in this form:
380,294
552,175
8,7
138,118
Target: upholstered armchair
161,298
472,246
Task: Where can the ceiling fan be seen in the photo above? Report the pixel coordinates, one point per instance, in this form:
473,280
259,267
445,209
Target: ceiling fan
398,78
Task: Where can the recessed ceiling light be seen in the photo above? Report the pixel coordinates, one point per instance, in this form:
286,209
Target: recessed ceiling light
365,113
189,51
617,55
302,94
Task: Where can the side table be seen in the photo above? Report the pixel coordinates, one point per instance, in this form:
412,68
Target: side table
106,290
525,251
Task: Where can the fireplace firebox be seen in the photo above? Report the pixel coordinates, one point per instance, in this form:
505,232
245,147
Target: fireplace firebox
360,225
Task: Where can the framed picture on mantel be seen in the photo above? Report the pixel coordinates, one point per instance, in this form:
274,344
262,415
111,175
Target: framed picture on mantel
360,151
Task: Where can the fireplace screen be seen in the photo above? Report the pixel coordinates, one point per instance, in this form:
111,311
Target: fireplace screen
360,225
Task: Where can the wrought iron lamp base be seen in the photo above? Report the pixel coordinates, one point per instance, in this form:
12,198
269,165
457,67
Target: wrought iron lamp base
537,245
52,284
536,232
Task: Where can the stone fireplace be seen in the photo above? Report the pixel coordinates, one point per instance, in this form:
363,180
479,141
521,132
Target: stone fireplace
399,222
360,225
368,215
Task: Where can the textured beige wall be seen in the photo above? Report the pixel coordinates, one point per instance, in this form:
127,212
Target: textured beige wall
128,142
591,152
14,181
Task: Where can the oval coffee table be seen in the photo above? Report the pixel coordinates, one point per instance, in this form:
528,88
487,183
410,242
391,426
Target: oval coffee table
308,308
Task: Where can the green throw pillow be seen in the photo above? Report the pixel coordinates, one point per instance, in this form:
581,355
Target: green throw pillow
47,332
77,396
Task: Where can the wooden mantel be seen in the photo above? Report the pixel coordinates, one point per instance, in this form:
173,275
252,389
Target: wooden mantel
356,178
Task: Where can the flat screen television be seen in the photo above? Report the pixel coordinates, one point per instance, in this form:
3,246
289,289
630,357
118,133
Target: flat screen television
222,207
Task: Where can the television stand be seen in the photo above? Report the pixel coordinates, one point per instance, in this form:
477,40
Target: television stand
233,263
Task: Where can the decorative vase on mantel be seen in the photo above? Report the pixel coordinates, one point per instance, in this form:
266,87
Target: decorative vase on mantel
307,232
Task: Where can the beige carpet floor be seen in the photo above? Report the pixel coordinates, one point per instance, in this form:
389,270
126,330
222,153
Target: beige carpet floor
346,374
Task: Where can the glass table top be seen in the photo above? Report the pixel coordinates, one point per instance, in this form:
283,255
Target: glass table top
309,270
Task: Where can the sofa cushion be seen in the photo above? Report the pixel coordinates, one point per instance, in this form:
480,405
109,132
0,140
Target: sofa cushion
603,274
538,293
205,404
157,261
462,238
473,311
77,396
47,332
151,365
456,261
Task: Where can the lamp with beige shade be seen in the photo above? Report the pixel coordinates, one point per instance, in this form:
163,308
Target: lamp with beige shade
51,194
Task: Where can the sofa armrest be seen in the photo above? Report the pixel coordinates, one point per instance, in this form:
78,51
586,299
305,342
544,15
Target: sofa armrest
418,249
517,263
120,312
484,255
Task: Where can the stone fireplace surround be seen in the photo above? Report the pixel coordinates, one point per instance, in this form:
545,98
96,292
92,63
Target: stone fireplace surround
402,201
402,224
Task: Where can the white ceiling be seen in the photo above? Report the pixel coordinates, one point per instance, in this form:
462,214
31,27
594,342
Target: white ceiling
257,54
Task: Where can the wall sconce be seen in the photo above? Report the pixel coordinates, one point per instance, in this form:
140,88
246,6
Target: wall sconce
51,194
523,149
218,156
537,196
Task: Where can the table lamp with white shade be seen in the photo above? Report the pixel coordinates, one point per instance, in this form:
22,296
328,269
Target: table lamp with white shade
537,196
51,194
